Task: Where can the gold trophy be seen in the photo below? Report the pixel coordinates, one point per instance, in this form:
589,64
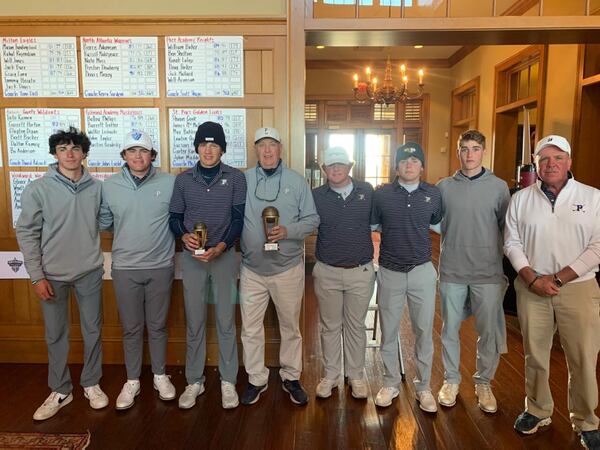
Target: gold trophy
270,218
201,234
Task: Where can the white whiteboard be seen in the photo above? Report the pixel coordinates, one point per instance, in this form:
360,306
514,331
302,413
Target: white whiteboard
39,67
28,130
204,66
119,66
183,124
106,128
18,181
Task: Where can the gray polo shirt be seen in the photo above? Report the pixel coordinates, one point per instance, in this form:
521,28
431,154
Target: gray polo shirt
344,238
287,191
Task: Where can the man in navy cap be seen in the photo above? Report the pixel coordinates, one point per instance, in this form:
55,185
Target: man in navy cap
214,194
405,209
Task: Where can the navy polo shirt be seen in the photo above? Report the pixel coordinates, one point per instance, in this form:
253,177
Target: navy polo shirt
209,203
344,235
405,218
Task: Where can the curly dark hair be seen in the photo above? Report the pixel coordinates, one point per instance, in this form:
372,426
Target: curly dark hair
70,136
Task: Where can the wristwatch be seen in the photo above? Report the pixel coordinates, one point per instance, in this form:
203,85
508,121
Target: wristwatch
557,281
34,282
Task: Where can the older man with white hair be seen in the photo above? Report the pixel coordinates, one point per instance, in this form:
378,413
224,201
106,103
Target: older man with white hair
552,238
273,265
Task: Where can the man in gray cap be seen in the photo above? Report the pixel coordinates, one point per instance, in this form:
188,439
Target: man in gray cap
276,274
343,274
552,239
405,209
135,202
211,194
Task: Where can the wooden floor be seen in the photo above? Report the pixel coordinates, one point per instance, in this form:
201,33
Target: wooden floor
340,422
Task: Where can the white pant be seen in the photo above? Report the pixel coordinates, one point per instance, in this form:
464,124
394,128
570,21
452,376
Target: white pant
286,290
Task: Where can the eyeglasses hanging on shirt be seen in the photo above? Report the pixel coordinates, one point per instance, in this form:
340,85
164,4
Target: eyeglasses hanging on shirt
264,181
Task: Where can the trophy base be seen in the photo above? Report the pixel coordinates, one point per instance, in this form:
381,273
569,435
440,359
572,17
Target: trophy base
199,251
271,246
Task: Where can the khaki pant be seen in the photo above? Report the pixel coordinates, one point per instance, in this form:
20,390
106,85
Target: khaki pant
286,290
576,314
344,296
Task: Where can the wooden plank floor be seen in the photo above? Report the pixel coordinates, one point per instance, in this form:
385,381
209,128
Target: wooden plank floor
340,422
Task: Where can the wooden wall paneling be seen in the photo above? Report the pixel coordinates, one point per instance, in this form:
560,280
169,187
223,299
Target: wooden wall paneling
7,302
267,69
252,72
265,99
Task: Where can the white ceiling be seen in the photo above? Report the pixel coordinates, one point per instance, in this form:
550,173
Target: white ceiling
378,53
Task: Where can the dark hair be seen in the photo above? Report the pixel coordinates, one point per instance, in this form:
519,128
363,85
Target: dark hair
70,136
471,135
153,153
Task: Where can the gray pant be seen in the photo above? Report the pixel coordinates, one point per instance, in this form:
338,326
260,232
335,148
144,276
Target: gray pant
143,296
418,286
221,275
486,305
88,292
344,296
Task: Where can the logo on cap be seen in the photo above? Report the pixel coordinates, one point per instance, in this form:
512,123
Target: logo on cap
550,139
136,135
207,139
410,150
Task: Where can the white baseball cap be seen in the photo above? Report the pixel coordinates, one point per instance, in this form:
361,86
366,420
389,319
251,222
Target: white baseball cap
553,140
137,139
335,155
266,132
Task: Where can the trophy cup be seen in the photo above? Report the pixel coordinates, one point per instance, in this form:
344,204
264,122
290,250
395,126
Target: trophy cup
270,218
201,234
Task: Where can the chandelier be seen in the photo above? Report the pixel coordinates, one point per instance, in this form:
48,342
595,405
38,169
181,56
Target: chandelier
386,93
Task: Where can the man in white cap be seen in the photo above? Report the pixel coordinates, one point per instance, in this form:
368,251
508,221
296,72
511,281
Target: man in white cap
552,239
343,275
135,203
276,274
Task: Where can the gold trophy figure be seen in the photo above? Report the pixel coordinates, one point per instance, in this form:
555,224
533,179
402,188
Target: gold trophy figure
270,218
201,234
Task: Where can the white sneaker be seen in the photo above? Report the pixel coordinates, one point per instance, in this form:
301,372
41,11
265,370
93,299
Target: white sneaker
426,401
96,396
126,398
166,390
386,395
188,398
486,400
51,405
229,396
359,388
447,394
325,387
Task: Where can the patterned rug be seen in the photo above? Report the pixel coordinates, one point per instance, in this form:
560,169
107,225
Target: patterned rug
45,441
